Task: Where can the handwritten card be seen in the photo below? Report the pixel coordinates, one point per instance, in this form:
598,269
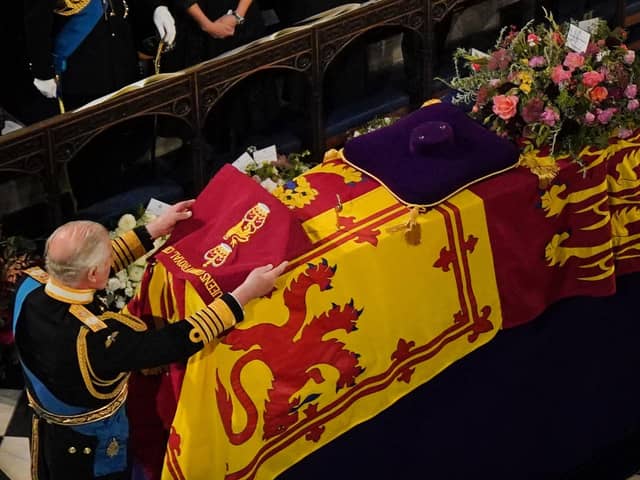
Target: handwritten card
156,207
243,161
590,25
479,53
578,39
266,155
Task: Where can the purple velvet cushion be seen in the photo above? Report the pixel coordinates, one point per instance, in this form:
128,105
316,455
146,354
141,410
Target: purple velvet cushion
430,154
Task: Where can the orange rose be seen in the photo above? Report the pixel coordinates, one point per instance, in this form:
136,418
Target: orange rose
505,106
598,94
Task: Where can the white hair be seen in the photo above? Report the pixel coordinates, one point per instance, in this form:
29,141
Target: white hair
86,245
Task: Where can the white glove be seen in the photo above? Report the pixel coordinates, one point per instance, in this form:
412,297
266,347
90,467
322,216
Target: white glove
48,88
165,24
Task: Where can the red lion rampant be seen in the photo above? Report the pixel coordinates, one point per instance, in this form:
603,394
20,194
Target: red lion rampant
292,352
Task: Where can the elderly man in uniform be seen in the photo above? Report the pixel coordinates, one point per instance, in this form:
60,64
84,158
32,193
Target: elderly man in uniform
76,359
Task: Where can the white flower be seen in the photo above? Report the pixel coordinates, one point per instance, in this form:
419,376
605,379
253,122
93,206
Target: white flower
135,273
128,292
122,276
114,284
127,222
120,302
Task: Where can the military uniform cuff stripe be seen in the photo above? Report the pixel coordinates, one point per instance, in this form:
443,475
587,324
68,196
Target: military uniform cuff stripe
209,329
212,319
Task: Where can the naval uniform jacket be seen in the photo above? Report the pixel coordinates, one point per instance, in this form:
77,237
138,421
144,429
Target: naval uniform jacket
104,62
88,368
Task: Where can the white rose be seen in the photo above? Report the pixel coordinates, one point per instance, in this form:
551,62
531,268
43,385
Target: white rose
113,284
127,222
120,302
135,273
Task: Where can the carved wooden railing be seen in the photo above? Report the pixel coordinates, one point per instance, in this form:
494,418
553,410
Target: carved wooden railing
45,149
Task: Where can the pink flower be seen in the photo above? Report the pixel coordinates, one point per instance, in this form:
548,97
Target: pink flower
494,82
631,91
505,106
624,133
604,116
533,39
629,57
589,118
573,60
591,79
633,105
549,116
559,74
538,61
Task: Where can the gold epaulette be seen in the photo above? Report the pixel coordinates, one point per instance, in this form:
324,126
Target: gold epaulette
37,274
81,312
70,7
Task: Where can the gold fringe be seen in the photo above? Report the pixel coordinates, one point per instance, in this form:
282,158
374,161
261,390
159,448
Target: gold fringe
35,446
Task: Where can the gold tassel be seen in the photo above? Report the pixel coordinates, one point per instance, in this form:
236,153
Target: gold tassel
412,230
413,233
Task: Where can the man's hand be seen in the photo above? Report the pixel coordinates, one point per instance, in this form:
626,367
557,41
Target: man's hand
220,29
48,88
259,282
163,225
165,24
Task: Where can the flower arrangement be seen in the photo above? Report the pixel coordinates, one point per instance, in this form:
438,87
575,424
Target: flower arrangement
122,287
372,125
534,89
280,171
16,254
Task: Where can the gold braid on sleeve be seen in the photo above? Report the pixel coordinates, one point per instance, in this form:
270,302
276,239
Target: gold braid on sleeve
209,322
126,249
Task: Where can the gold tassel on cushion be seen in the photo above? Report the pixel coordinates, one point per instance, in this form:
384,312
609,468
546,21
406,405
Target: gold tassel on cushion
413,234
412,230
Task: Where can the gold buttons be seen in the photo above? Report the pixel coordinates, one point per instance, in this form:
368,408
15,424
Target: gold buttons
86,451
72,450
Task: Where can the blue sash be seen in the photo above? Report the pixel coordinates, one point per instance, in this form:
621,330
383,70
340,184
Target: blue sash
73,33
115,427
